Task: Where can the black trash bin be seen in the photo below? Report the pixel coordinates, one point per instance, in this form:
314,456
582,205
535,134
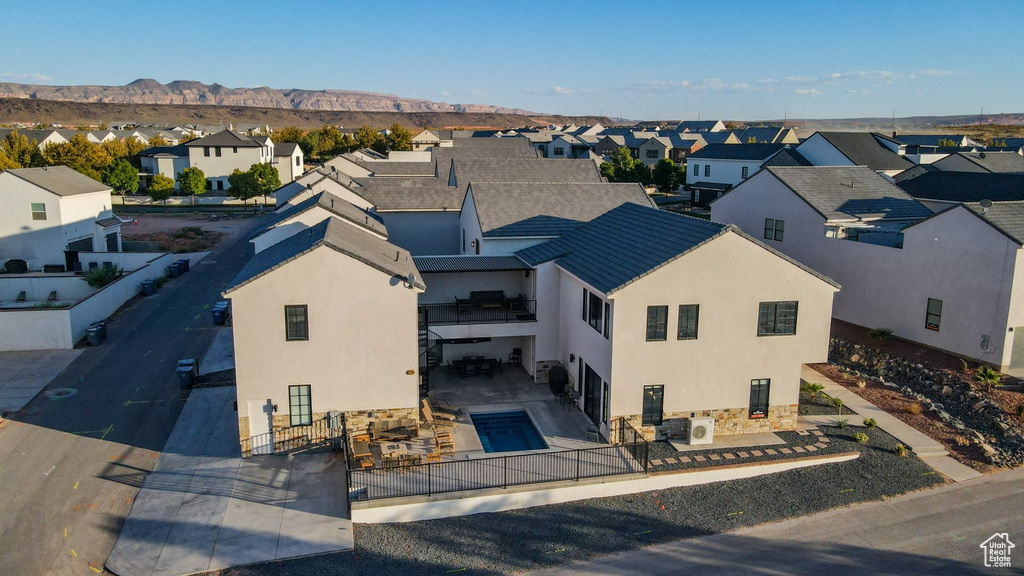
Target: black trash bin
92,334
149,287
220,315
101,328
183,265
173,271
185,377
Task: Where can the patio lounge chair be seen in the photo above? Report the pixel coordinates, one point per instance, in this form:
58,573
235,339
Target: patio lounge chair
442,407
436,420
445,413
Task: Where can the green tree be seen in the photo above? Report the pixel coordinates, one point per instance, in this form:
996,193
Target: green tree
191,181
187,137
367,137
157,140
6,162
288,134
623,167
243,185
267,178
398,138
121,176
161,188
78,154
21,151
667,176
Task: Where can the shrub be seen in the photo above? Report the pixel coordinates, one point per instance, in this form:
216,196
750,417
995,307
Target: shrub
962,441
813,390
100,277
838,403
1020,411
987,376
861,384
861,438
900,450
914,408
880,335
870,423
841,422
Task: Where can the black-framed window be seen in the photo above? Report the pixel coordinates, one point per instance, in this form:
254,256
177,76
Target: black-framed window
296,322
607,317
216,151
38,210
774,229
657,323
707,170
933,316
559,151
759,390
234,150
652,153
746,172
776,318
654,401
298,161
300,412
206,150
696,169
586,301
688,316
596,316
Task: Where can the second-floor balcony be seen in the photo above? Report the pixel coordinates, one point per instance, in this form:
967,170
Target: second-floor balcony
487,307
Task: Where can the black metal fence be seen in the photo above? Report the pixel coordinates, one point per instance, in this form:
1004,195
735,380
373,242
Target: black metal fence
501,471
326,432
467,312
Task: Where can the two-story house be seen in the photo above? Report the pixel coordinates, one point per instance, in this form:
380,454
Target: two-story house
289,161
714,169
49,215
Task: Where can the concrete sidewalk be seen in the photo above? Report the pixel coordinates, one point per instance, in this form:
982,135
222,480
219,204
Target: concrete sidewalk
930,451
25,373
205,508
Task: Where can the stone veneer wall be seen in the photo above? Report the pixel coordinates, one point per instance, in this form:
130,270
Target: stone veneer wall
676,425
358,421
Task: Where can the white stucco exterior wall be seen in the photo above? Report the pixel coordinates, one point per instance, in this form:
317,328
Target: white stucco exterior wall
820,152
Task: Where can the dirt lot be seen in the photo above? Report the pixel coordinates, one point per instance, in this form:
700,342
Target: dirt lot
185,233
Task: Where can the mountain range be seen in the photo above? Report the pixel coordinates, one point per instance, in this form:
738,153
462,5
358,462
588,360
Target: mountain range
190,92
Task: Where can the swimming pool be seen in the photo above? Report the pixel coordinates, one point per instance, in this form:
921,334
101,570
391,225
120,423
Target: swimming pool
510,431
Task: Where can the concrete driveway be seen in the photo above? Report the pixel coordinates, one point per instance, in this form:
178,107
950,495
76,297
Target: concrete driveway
25,373
205,508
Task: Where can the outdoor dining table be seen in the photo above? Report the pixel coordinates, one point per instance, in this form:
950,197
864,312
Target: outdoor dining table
476,364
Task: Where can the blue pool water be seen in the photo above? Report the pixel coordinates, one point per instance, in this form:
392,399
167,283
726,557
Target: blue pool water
507,431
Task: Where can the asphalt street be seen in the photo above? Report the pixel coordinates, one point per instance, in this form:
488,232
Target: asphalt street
928,533
71,465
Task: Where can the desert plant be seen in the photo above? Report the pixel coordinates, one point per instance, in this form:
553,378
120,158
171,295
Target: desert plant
880,335
900,450
100,277
914,408
870,423
962,441
987,376
964,367
861,384
841,422
813,389
838,403
861,437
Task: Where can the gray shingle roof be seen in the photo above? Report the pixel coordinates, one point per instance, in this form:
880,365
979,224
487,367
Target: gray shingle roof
998,162
284,148
623,245
788,157
1008,217
484,148
406,194
863,149
180,151
399,168
696,125
332,204
341,237
224,138
472,170
544,209
737,152
59,180
439,264
849,193
965,186
760,135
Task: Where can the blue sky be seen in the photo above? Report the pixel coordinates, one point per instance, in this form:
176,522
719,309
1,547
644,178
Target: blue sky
719,59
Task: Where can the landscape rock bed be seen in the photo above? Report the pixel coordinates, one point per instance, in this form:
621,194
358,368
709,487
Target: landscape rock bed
515,541
953,399
665,458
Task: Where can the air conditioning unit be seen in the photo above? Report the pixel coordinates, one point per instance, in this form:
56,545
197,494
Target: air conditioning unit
702,431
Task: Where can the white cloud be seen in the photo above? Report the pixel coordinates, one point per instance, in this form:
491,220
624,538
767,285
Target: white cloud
808,92
35,76
562,90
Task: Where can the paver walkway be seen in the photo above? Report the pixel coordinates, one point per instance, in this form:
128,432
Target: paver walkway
930,451
205,508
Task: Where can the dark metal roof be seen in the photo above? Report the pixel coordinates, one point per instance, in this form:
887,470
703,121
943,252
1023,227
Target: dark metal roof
965,186
864,149
716,186
623,245
339,236
737,152
439,264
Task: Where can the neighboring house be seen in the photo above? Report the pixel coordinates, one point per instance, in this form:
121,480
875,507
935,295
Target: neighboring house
288,161
994,162
222,153
767,135
854,149
500,218
422,214
700,126
941,190
464,171
166,160
42,138
671,327
714,169
566,146
298,358
316,181
950,281
310,212
49,215
720,138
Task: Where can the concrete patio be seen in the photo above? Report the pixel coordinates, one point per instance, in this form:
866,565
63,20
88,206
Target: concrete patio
25,373
205,508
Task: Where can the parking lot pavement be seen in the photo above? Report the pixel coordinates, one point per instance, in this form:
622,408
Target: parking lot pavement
25,373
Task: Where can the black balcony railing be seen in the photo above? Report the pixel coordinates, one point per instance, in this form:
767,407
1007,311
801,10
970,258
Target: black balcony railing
324,432
469,312
501,471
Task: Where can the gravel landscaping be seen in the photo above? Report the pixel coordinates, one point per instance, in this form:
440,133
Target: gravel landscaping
665,458
821,405
521,540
